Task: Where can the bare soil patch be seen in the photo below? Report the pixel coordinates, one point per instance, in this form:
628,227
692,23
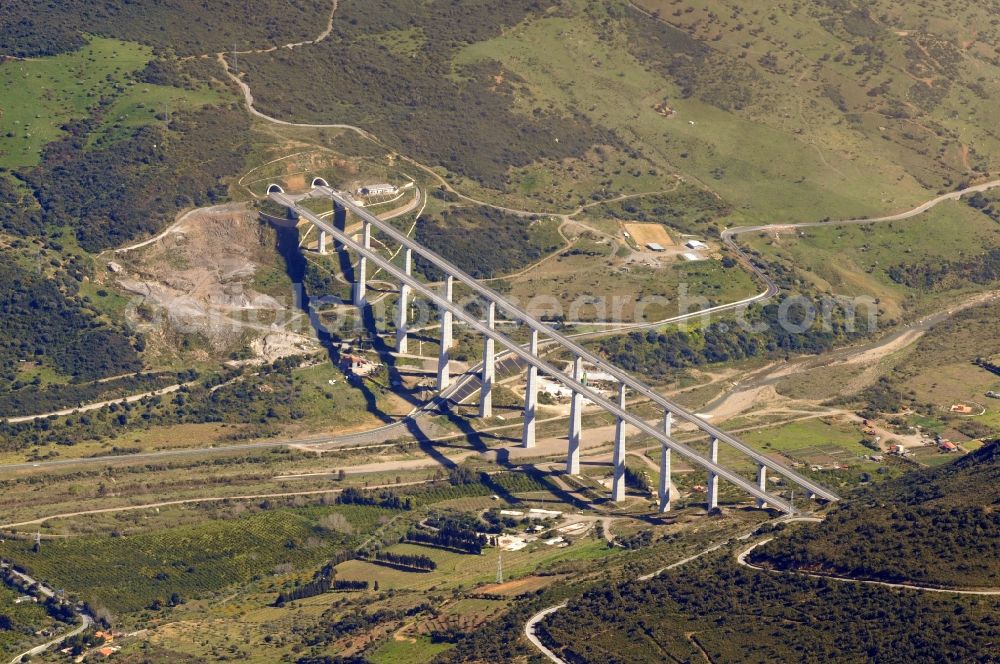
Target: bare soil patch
643,234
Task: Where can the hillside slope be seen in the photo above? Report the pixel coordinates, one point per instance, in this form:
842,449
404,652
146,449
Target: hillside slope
939,527
849,107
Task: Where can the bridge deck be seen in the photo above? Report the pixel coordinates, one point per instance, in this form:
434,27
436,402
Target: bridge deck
513,347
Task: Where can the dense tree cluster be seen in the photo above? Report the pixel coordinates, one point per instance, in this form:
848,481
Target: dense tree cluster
447,532
380,498
458,235
687,209
24,399
638,540
987,203
318,586
698,70
943,274
417,562
335,625
722,612
19,215
41,319
466,521
131,187
32,28
658,353
264,400
932,526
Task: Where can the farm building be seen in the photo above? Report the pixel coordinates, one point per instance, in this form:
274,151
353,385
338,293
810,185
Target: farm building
654,246
695,244
356,365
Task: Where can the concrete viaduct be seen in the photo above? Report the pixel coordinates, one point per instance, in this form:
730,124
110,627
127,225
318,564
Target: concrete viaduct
529,356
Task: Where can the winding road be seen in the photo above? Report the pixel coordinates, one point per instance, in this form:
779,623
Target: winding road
741,558
468,383
85,618
530,626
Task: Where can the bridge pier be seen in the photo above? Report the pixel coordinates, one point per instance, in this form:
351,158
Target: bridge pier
761,484
664,485
489,366
618,459
322,243
404,304
444,355
530,358
339,223
713,479
575,423
361,277
530,396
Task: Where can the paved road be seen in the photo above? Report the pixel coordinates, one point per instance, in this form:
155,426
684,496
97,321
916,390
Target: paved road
529,631
85,619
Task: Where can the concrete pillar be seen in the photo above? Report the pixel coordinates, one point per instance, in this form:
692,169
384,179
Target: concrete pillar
322,242
361,276
713,479
339,222
444,355
530,397
618,481
664,487
762,484
575,423
402,321
489,366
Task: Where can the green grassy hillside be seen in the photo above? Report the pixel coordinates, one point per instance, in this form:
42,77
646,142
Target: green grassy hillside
794,112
